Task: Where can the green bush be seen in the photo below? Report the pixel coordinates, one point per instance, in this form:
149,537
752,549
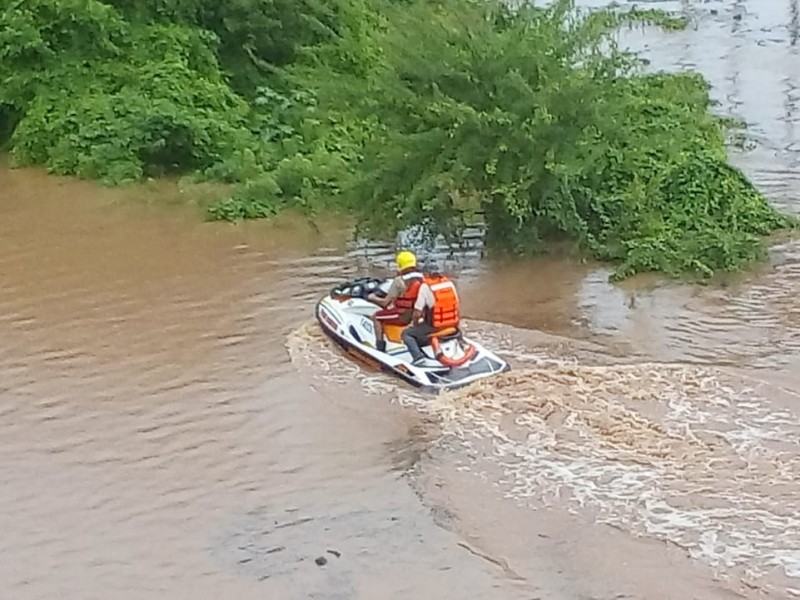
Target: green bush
258,198
402,111
115,102
553,134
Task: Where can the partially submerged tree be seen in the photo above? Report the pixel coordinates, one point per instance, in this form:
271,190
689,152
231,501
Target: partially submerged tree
402,111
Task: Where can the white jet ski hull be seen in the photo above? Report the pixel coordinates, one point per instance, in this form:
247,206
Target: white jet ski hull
345,315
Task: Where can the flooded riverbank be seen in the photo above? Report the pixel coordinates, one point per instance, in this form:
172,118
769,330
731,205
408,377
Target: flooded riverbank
175,426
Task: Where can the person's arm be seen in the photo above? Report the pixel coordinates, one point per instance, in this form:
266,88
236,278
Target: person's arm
397,288
382,301
423,300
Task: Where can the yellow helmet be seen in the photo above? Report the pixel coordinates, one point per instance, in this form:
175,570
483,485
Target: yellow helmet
406,259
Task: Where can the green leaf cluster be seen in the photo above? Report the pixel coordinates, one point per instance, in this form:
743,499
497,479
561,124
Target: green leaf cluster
103,99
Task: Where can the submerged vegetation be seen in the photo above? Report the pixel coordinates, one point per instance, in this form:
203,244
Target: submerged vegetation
400,111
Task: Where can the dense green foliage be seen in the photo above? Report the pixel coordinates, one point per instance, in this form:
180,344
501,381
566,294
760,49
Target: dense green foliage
402,111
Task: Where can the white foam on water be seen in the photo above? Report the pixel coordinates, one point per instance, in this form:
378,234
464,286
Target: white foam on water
679,453
319,358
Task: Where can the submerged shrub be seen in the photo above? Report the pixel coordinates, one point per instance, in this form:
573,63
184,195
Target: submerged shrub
404,112
535,120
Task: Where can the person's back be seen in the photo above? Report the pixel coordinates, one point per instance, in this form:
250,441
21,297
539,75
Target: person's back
442,297
435,309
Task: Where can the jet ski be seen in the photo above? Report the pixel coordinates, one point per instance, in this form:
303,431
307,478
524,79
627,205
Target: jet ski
452,360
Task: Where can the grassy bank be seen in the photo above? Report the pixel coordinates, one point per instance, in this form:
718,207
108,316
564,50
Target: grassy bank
397,111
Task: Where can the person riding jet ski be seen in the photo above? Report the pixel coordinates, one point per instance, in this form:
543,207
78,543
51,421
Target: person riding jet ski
436,309
397,306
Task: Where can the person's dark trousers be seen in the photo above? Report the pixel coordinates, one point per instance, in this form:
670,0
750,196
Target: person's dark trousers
416,336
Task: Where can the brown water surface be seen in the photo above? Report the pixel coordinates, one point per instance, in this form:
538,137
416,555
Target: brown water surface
157,442
173,425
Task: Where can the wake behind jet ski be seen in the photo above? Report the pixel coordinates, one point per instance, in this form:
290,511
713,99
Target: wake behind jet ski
445,359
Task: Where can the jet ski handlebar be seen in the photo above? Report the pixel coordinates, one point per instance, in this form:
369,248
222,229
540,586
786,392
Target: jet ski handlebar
359,288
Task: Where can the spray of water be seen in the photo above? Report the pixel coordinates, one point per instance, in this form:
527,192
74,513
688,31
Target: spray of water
685,454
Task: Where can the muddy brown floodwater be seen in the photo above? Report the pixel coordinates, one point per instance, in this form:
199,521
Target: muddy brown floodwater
173,425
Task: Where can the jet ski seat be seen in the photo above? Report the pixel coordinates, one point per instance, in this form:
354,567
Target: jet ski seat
394,333
445,334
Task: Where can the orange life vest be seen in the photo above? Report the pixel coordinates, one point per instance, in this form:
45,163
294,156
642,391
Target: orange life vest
445,311
413,280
